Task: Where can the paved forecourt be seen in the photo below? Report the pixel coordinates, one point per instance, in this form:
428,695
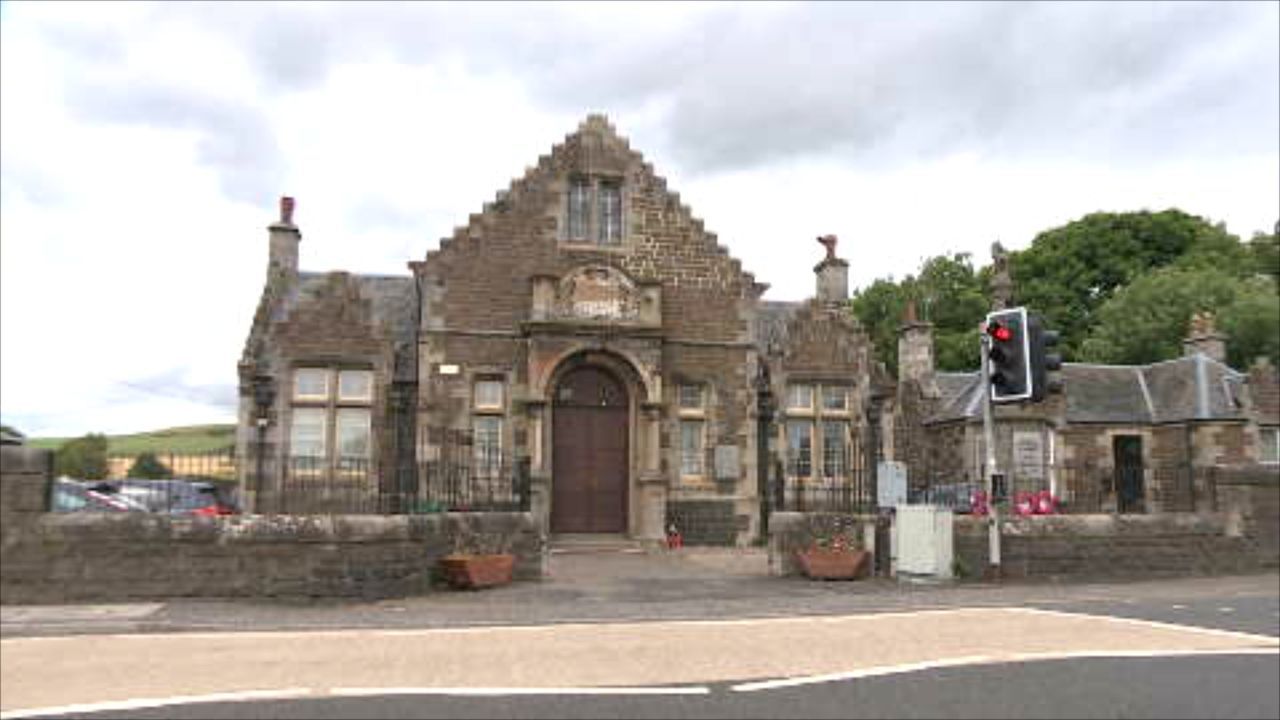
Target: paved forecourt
757,653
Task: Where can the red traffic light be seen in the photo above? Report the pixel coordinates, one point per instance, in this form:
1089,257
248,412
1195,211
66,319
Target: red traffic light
1000,332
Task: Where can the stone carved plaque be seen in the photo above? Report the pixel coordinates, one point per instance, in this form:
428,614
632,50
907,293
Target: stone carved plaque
1028,456
597,293
727,462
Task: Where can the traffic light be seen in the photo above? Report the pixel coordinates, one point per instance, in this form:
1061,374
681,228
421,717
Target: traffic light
1042,361
1008,355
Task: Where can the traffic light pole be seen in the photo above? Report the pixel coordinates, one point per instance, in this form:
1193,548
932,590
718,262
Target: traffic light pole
989,439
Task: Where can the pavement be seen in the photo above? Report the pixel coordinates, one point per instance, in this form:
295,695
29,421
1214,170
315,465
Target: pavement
607,587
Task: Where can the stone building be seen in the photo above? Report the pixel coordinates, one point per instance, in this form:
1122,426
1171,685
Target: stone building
585,332
1118,438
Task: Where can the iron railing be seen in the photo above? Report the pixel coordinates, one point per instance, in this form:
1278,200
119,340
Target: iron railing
1081,488
800,487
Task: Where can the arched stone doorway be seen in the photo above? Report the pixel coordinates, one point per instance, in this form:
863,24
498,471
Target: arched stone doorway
590,452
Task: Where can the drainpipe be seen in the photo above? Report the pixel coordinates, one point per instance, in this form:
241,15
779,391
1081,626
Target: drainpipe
764,422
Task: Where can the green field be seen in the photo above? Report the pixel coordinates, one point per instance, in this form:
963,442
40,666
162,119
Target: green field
177,440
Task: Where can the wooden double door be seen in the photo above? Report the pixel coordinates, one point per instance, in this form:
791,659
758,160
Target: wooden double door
589,453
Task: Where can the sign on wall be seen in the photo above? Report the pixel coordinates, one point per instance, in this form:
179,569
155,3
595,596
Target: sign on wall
891,483
1028,456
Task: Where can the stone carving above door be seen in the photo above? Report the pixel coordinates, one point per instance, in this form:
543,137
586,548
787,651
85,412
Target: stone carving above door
596,295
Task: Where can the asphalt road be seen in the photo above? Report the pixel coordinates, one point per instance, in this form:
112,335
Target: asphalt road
1227,686
954,662
632,645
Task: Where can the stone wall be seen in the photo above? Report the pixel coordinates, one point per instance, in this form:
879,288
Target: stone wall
73,557
1116,546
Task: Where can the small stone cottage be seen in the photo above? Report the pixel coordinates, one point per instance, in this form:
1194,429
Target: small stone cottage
1119,438
583,339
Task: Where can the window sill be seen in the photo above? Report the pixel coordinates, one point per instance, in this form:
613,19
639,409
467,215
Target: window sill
577,245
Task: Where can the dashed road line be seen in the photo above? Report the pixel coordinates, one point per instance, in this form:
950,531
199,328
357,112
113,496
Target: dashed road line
140,703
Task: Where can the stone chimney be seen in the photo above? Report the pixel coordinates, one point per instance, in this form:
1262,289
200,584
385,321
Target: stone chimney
833,275
915,352
1205,338
284,239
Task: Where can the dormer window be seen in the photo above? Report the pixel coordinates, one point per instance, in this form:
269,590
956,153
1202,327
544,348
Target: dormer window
594,211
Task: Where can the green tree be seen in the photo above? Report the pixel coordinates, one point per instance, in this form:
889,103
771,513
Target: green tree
947,292
951,296
1069,272
1146,320
1265,250
879,308
148,467
84,458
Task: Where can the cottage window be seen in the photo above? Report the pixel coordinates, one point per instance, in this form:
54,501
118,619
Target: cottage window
487,398
355,385
354,433
610,228
307,436
800,448
691,444
579,210
800,397
835,448
835,397
488,395
311,384
819,439
593,212
486,445
1270,445
331,421
689,397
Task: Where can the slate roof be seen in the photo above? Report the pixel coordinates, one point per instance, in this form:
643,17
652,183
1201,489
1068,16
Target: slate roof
1194,387
393,303
772,317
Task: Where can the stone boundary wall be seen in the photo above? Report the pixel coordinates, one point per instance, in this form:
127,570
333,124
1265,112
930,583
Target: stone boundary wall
79,557
793,531
1113,546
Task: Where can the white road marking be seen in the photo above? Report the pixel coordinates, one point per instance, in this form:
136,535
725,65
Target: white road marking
1226,609
1179,607
865,672
987,660
137,704
498,691
1249,637
498,628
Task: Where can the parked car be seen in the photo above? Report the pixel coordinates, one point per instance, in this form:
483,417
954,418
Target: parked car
70,495
177,497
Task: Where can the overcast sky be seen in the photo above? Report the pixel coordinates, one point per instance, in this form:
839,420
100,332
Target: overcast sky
144,148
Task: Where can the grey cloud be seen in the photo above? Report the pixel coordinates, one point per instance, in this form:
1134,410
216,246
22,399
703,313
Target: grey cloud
37,185
170,384
866,81
235,139
746,86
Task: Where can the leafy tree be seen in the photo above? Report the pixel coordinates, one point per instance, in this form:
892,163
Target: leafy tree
11,432
948,293
147,466
84,458
1069,272
952,296
1146,321
1265,250
879,308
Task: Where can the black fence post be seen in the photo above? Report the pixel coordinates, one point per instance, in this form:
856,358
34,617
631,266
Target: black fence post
523,476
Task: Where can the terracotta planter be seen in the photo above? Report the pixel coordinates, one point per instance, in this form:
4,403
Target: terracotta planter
477,571
819,564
